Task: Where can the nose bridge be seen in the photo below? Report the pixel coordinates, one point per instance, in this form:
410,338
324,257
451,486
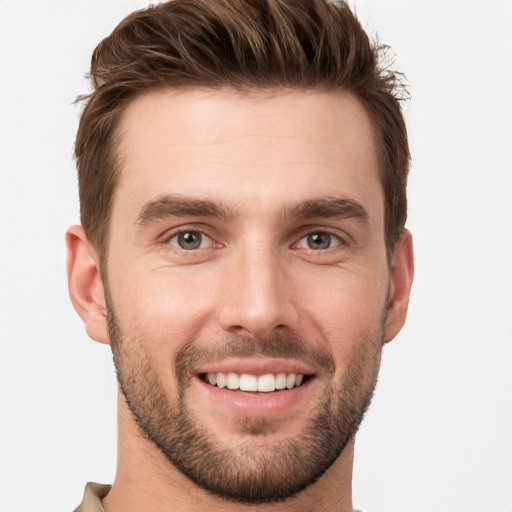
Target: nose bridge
258,296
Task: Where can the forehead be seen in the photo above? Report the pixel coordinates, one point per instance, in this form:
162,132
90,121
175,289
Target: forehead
266,147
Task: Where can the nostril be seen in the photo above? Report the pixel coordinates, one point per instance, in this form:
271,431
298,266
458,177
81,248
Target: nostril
239,330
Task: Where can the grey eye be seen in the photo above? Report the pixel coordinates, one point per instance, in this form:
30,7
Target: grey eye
319,241
189,240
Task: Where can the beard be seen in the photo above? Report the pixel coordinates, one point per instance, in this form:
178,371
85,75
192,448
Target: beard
256,470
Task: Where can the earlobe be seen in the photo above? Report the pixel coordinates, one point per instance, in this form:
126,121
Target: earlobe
85,285
402,273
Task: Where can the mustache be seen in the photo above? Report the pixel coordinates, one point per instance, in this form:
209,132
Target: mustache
285,346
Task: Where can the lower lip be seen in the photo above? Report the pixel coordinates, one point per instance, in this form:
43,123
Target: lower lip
256,404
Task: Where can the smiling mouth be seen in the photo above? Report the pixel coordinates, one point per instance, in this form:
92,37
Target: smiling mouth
266,383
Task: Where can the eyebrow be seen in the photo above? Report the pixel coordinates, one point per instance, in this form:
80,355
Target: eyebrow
165,206
327,208
162,207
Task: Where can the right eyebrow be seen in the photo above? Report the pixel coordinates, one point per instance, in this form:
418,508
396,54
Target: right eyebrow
169,205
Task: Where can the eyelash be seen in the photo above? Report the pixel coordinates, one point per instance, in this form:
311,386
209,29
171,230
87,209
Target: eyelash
184,231
336,240
333,238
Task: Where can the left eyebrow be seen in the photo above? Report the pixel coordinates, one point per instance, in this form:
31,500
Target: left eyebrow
326,208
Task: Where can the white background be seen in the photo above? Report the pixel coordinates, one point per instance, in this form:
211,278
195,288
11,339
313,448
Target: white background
438,437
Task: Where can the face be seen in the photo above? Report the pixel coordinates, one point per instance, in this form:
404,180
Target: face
247,283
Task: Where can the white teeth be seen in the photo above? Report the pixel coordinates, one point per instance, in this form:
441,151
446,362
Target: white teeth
266,383
232,381
281,381
221,380
248,382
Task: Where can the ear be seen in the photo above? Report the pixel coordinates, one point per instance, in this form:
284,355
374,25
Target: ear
402,273
85,285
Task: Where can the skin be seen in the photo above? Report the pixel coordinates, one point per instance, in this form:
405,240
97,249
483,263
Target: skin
260,157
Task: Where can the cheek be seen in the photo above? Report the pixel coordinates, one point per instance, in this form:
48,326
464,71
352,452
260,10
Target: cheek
347,310
168,304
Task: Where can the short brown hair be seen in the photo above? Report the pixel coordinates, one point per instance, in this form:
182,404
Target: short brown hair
245,45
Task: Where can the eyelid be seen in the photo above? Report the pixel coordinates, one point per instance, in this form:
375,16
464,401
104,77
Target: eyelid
334,238
343,237
205,239
168,235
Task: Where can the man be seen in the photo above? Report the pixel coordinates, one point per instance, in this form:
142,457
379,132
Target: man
242,171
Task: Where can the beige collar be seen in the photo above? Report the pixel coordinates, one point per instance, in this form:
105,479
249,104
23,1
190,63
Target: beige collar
93,495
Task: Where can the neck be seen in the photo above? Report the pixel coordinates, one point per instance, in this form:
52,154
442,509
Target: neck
146,480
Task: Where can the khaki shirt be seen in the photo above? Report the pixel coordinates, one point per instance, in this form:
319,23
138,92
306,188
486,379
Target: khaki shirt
93,495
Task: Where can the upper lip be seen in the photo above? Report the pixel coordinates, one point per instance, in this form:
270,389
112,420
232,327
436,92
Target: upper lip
257,366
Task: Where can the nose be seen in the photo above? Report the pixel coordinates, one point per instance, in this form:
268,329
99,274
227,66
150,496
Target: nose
258,297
